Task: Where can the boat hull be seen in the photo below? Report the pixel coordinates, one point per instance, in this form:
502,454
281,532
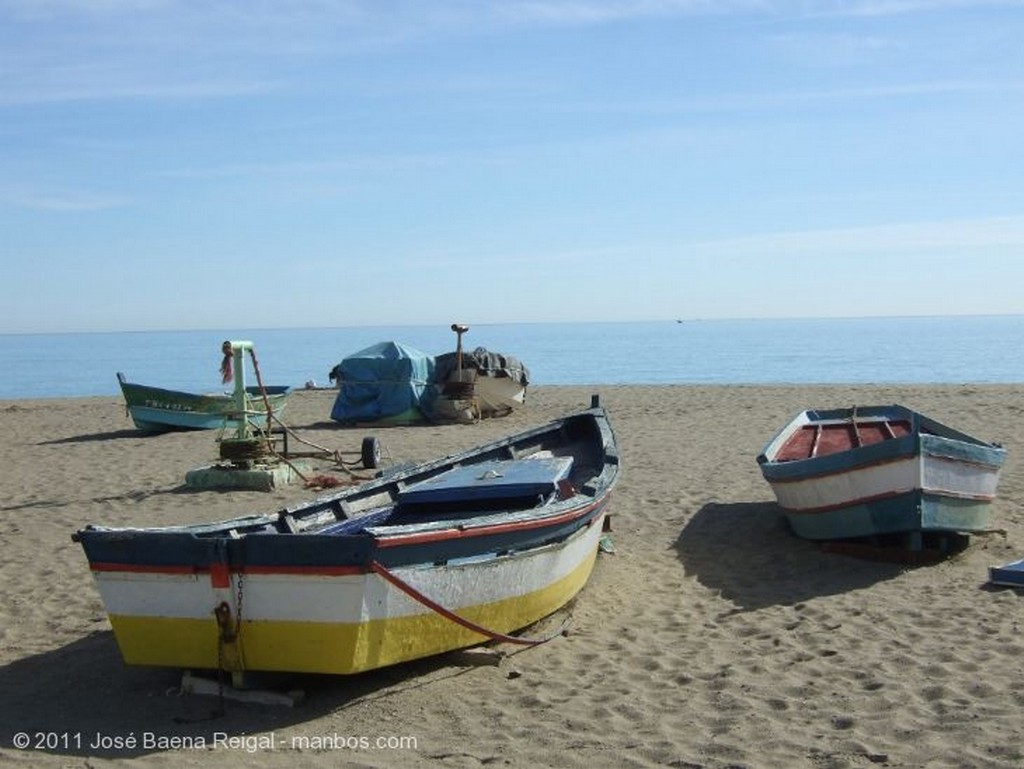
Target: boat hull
154,409
922,479
498,395
340,623
421,561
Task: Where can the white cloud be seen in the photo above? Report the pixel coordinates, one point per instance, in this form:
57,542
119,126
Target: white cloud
995,232
900,7
74,50
67,201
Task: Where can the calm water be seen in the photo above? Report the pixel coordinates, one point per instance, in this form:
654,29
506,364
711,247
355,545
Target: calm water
858,350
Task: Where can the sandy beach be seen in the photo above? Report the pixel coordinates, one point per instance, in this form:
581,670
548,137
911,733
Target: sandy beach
711,638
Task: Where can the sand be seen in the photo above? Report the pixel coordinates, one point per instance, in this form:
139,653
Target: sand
711,638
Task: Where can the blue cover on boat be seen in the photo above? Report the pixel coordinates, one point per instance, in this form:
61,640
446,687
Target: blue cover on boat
499,479
381,381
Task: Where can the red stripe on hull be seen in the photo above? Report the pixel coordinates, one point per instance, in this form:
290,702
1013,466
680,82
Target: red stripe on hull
880,497
482,531
214,570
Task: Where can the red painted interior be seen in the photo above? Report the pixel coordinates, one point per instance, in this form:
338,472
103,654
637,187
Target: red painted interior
822,440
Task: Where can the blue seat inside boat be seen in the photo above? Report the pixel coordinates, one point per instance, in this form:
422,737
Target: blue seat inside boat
498,479
468,490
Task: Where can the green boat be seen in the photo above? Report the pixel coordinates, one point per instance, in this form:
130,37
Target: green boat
154,409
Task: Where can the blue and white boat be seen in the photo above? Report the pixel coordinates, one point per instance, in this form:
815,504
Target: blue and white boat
862,471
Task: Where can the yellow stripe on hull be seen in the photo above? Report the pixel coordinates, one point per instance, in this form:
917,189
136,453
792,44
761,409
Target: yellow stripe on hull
319,647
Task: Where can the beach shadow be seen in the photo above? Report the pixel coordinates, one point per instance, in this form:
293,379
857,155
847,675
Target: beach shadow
368,427
319,425
95,437
129,496
747,552
82,700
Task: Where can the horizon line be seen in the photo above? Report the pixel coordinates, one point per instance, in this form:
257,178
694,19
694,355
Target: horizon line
682,319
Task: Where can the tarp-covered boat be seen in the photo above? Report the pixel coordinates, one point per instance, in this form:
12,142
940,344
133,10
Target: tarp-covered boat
442,556
498,381
384,382
856,472
155,409
393,383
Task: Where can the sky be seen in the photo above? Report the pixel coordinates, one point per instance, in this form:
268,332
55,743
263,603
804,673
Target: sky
195,164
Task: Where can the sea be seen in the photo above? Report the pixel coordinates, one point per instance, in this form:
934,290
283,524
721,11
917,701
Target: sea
898,350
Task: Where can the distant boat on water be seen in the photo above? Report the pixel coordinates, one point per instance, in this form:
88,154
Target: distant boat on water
857,472
155,409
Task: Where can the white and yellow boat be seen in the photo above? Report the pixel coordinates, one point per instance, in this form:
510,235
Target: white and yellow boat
443,556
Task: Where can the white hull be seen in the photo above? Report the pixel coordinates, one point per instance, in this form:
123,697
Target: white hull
932,475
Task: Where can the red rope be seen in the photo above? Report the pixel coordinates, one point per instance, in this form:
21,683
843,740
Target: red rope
416,595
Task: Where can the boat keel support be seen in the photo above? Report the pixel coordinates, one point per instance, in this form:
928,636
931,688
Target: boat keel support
239,691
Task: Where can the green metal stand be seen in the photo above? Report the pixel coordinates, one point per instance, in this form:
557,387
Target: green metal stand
247,462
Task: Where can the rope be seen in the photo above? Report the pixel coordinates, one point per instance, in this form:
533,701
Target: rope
416,595
272,417
267,443
263,389
332,454
236,451
285,459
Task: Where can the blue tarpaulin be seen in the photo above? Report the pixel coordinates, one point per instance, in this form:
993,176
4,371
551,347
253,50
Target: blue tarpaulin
385,380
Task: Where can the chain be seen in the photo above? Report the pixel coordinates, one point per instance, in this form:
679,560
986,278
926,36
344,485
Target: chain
240,582
226,634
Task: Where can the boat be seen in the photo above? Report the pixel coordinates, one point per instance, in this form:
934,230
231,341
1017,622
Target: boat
383,384
394,384
155,409
1008,574
428,559
864,471
475,385
495,382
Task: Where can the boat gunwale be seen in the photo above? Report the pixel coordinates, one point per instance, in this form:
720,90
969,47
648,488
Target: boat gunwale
567,509
586,519
207,538
924,430
273,391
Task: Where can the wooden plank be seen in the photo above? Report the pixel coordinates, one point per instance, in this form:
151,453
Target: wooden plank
814,443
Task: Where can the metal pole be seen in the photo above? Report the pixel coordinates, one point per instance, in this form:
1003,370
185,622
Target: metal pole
459,330
238,350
